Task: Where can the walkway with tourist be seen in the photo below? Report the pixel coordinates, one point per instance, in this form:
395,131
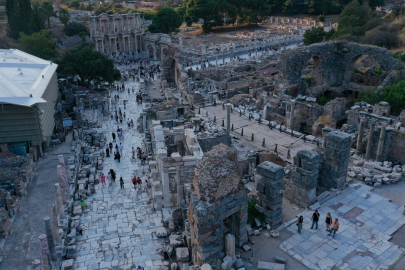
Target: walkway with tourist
119,225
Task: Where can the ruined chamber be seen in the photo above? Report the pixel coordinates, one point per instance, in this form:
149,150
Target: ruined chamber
218,204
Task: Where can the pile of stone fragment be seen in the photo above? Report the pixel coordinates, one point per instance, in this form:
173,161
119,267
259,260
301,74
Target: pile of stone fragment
376,173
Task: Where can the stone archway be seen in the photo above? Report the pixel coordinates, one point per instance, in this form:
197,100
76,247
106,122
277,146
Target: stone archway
335,61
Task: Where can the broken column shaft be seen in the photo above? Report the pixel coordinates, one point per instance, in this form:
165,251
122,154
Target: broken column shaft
360,137
370,140
381,141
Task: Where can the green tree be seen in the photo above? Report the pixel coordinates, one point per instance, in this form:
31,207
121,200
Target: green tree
353,19
203,9
165,21
91,66
321,18
315,35
75,28
26,16
89,7
13,19
74,4
40,44
64,16
181,11
48,11
38,18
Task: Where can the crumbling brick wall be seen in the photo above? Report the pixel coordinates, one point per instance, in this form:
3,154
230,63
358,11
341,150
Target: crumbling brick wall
217,197
396,150
301,182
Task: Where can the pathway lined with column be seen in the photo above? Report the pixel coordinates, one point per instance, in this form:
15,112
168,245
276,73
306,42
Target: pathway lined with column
120,225
271,137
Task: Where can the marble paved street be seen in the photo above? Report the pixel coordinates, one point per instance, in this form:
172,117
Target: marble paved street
367,222
119,225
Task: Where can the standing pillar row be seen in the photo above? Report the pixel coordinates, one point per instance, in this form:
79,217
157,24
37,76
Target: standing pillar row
370,140
270,185
360,137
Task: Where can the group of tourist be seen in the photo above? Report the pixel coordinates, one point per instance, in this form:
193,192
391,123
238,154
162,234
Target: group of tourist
332,226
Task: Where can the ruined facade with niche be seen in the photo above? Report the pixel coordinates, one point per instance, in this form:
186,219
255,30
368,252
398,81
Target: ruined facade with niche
116,33
156,45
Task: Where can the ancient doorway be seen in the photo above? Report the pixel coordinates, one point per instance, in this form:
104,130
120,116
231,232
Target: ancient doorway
231,224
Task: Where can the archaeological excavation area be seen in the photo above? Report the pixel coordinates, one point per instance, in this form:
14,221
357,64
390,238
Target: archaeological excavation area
239,140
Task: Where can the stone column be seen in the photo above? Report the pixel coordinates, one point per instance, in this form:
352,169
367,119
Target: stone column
45,252
144,122
292,115
370,140
325,132
50,239
360,137
62,184
66,173
381,144
228,117
230,245
55,226
59,201
223,57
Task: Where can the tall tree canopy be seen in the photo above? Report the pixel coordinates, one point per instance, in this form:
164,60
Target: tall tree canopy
40,44
48,11
89,65
165,21
64,16
20,18
353,19
220,12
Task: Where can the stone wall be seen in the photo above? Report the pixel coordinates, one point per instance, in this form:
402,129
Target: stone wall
270,185
396,150
301,182
207,142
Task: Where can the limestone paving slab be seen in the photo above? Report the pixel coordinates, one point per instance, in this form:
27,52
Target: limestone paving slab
366,222
118,228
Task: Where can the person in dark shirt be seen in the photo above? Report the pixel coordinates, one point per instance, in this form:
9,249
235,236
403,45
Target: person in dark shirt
315,219
299,223
328,221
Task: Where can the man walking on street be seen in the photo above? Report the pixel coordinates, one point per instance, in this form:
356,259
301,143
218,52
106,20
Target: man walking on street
121,148
335,227
315,219
133,152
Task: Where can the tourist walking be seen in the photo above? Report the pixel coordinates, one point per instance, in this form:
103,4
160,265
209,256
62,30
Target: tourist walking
117,156
335,227
113,136
328,221
107,150
102,179
82,202
133,152
113,174
121,148
121,183
145,185
134,182
109,178
299,223
315,219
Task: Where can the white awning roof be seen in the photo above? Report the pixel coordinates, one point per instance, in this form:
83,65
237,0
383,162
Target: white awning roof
22,101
